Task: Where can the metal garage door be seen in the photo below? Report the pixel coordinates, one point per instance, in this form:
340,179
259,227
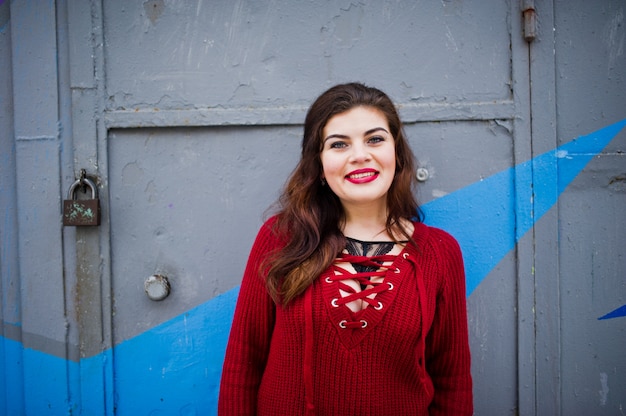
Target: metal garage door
188,115
203,109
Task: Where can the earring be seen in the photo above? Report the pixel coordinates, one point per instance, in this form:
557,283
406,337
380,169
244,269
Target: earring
323,180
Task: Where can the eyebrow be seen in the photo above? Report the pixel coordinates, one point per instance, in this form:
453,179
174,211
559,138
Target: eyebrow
367,133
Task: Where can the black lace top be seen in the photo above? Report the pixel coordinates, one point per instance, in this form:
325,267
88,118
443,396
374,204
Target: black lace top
368,249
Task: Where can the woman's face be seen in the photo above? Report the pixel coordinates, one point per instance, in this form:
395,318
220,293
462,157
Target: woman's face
358,157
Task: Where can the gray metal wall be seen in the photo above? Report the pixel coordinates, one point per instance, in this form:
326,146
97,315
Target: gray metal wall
189,116
590,90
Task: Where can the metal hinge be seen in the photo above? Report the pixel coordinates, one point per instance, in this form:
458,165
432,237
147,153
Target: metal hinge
530,20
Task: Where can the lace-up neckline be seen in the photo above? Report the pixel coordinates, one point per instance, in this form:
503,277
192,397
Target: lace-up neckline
370,249
358,289
384,275
357,298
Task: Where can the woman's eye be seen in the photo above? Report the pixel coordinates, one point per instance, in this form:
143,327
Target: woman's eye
376,139
338,145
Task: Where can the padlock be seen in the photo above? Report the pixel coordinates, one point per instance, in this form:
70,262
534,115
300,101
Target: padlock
81,212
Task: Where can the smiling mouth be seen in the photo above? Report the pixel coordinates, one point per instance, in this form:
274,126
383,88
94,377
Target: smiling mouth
361,175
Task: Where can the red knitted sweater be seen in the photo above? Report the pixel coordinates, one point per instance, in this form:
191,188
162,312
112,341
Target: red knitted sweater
407,356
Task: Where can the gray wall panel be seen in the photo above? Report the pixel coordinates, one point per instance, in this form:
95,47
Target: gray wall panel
240,54
593,267
591,93
187,203
591,65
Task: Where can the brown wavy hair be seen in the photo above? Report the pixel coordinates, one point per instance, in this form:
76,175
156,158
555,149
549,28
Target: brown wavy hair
310,215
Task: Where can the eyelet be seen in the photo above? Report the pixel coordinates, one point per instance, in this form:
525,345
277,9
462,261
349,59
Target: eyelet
334,302
390,285
379,307
406,255
327,280
343,323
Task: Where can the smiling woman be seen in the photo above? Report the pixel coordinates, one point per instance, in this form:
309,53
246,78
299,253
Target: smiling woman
349,304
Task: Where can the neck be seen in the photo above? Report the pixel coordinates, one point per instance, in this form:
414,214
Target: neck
365,223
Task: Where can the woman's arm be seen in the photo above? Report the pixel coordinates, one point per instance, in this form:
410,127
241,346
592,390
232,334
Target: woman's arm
250,335
447,344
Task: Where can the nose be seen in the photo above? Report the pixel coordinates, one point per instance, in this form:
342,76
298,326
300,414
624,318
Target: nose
360,153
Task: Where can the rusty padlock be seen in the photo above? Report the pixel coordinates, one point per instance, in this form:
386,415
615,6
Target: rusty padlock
81,212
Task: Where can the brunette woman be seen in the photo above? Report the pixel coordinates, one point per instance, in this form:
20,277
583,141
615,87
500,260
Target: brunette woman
349,304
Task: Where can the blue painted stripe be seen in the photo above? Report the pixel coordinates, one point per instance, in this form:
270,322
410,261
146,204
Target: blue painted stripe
176,367
482,216
46,383
617,313
13,370
482,219
36,381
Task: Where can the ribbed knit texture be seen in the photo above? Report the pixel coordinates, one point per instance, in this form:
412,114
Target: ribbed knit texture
377,370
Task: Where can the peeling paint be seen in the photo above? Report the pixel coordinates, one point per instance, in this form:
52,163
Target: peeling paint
77,211
604,389
154,9
132,174
614,38
617,183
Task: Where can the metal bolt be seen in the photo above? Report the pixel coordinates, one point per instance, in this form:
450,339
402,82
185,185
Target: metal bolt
422,174
157,287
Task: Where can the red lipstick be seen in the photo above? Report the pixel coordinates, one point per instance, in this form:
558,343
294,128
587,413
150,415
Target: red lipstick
362,176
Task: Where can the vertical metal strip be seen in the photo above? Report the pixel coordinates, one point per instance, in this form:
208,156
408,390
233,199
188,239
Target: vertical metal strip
522,148
37,149
102,148
91,285
11,370
546,232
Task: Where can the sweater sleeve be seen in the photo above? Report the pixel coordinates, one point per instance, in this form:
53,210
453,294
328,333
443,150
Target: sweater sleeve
250,335
447,345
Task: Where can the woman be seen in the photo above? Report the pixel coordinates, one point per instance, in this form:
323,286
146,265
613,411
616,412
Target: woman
349,305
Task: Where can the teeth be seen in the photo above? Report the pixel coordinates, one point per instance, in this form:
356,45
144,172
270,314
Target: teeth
362,175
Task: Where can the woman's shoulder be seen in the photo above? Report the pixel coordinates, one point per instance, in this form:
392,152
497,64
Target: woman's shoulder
440,249
270,231
425,235
270,222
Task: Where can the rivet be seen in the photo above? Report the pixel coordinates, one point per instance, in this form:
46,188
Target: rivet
157,287
422,174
